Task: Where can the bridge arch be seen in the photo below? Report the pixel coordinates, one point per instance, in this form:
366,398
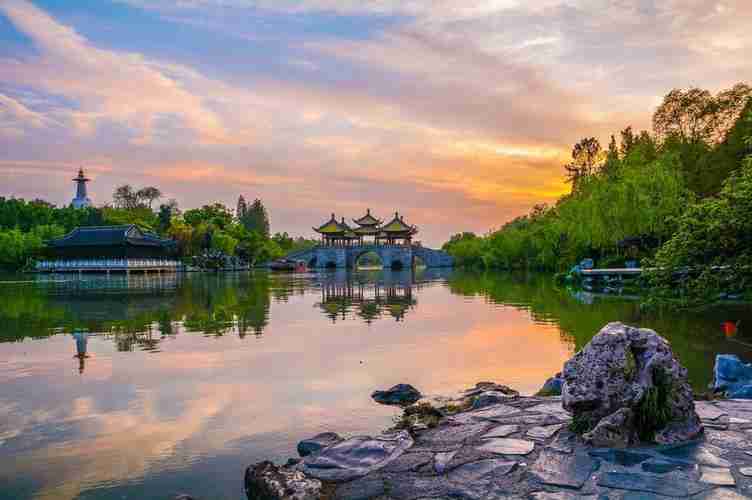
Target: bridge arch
363,257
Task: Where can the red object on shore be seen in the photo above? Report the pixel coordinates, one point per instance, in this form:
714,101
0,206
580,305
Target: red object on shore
729,328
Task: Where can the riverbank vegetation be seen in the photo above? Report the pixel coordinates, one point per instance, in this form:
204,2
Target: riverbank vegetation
674,198
212,230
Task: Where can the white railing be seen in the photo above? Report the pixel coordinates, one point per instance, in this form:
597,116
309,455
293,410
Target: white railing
105,264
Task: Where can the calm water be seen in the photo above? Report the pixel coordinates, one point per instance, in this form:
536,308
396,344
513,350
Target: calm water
146,388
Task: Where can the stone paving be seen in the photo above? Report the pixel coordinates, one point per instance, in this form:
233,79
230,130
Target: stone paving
522,448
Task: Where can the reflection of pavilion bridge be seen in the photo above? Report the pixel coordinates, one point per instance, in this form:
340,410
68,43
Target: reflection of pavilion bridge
367,301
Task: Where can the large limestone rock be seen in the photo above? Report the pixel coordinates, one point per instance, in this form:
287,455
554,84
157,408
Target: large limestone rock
627,387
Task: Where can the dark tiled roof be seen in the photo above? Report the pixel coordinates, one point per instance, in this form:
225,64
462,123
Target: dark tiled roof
109,236
367,220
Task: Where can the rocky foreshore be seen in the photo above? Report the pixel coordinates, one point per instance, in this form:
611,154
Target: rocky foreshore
489,442
521,448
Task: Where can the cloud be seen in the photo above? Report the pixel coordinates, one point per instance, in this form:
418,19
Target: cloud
458,112
107,85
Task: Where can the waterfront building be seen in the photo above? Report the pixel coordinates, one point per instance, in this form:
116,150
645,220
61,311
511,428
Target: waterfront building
82,199
109,248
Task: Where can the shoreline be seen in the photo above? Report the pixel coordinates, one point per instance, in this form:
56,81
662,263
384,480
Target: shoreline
488,444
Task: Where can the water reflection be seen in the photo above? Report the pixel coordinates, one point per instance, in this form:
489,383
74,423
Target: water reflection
151,386
367,300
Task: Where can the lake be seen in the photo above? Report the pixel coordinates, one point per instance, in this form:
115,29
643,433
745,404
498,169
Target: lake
146,387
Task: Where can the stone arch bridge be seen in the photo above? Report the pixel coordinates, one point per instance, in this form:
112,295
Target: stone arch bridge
392,256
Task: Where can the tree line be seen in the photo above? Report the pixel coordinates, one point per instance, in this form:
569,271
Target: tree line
212,229
673,198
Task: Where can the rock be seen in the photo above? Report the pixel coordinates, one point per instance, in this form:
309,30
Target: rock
662,466
442,459
501,431
473,471
489,398
317,443
266,481
355,457
507,446
544,432
732,377
559,469
668,486
552,387
619,457
625,386
492,386
399,395
718,476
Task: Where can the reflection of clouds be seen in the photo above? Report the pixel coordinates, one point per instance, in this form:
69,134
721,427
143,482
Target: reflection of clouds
121,445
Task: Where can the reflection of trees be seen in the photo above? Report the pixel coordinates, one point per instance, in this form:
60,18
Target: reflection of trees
695,337
368,297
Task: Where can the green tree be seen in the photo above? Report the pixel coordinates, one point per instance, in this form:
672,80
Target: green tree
256,219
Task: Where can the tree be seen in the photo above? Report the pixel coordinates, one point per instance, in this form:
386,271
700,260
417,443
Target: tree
256,219
242,208
586,155
216,215
695,115
166,212
148,194
125,197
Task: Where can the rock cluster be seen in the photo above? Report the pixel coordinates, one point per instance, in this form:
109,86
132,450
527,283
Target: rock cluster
732,377
626,387
520,449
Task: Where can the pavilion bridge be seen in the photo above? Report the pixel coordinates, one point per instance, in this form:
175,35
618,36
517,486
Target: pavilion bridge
342,246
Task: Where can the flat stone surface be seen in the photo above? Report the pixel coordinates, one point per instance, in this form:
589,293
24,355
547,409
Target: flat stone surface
473,455
699,453
493,412
544,432
441,460
409,462
626,458
662,485
555,409
356,456
718,476
452,434
507,446
501,431
559,469
720,494
474,471
663,466
708,411
559,495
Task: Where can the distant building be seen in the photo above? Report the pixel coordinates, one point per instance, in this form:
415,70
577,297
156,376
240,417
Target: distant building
125,242
81,200
110,248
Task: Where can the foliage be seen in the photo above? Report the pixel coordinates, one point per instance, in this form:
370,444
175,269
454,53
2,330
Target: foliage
128,198
256,219
710,253
639,190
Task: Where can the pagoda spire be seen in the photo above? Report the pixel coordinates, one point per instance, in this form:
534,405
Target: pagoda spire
81,200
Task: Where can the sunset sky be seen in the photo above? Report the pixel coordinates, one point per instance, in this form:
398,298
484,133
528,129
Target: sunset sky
458,113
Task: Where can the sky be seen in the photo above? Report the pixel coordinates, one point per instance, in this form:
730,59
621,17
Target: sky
459,114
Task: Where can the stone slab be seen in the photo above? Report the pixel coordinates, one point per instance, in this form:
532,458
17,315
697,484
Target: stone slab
718,476
560,469
507,446
501,431
661,485
544,432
